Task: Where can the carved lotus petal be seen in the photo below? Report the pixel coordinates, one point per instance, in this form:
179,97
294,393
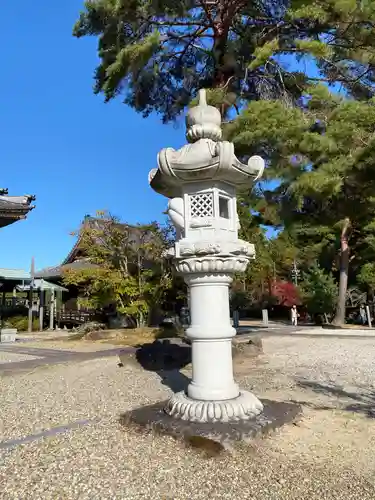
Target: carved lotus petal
188,250
245,406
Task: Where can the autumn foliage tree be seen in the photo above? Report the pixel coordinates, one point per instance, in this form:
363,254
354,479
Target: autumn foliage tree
128,269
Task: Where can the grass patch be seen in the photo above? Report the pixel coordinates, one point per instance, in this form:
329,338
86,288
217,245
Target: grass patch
127,336
136,336
75,336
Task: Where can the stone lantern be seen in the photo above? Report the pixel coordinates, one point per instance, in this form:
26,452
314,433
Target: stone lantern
201,179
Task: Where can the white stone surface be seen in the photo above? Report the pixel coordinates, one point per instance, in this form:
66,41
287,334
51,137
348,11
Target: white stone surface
201,179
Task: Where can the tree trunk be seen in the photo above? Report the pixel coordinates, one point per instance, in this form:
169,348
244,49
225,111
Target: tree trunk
140,319
339,318
270,286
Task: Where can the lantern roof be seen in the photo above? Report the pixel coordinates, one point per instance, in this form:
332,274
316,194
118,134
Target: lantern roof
205,159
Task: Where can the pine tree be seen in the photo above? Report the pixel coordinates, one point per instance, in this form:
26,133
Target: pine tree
322,156
157,54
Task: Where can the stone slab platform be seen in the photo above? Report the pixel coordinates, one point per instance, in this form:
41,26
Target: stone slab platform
153,418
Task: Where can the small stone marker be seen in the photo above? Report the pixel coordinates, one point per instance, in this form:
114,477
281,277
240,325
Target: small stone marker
265,317
8,335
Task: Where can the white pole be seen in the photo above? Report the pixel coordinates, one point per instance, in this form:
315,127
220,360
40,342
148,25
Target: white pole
32,274
52,309
41,306
368,316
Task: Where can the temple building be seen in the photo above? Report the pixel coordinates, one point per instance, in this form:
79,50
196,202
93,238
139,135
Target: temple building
76,259
14,208
71,313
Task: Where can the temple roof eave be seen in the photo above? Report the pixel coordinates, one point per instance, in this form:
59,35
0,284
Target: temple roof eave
58,271
14,208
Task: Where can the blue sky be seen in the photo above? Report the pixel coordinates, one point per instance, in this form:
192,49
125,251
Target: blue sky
61,142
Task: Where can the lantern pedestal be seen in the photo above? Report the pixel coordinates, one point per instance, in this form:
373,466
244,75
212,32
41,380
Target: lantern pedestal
212,394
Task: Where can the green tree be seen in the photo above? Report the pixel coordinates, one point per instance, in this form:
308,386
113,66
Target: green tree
157,54
322,156
128,267
319,291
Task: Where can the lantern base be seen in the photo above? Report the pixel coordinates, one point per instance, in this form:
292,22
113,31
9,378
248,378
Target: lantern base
244,407
226,434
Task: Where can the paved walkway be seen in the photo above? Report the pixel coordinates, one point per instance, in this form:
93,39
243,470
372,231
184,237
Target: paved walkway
305,331
49,357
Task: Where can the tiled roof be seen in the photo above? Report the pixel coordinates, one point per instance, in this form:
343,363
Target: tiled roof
14,274
42,284
58,271
134,234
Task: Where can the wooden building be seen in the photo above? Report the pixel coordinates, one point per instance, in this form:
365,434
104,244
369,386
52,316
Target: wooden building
12,209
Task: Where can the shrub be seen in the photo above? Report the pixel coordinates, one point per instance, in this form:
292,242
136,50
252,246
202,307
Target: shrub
319,290
21,323
91,326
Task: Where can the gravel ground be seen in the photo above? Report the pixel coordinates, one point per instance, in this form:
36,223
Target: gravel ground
10,357
329,455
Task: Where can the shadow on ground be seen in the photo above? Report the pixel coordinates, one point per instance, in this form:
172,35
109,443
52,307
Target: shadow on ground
362,400
166,358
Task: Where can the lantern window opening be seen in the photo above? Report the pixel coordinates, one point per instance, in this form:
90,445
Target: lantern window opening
224,210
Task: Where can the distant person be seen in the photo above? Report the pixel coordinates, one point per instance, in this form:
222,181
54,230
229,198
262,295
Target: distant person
185,316
294,315
363,315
